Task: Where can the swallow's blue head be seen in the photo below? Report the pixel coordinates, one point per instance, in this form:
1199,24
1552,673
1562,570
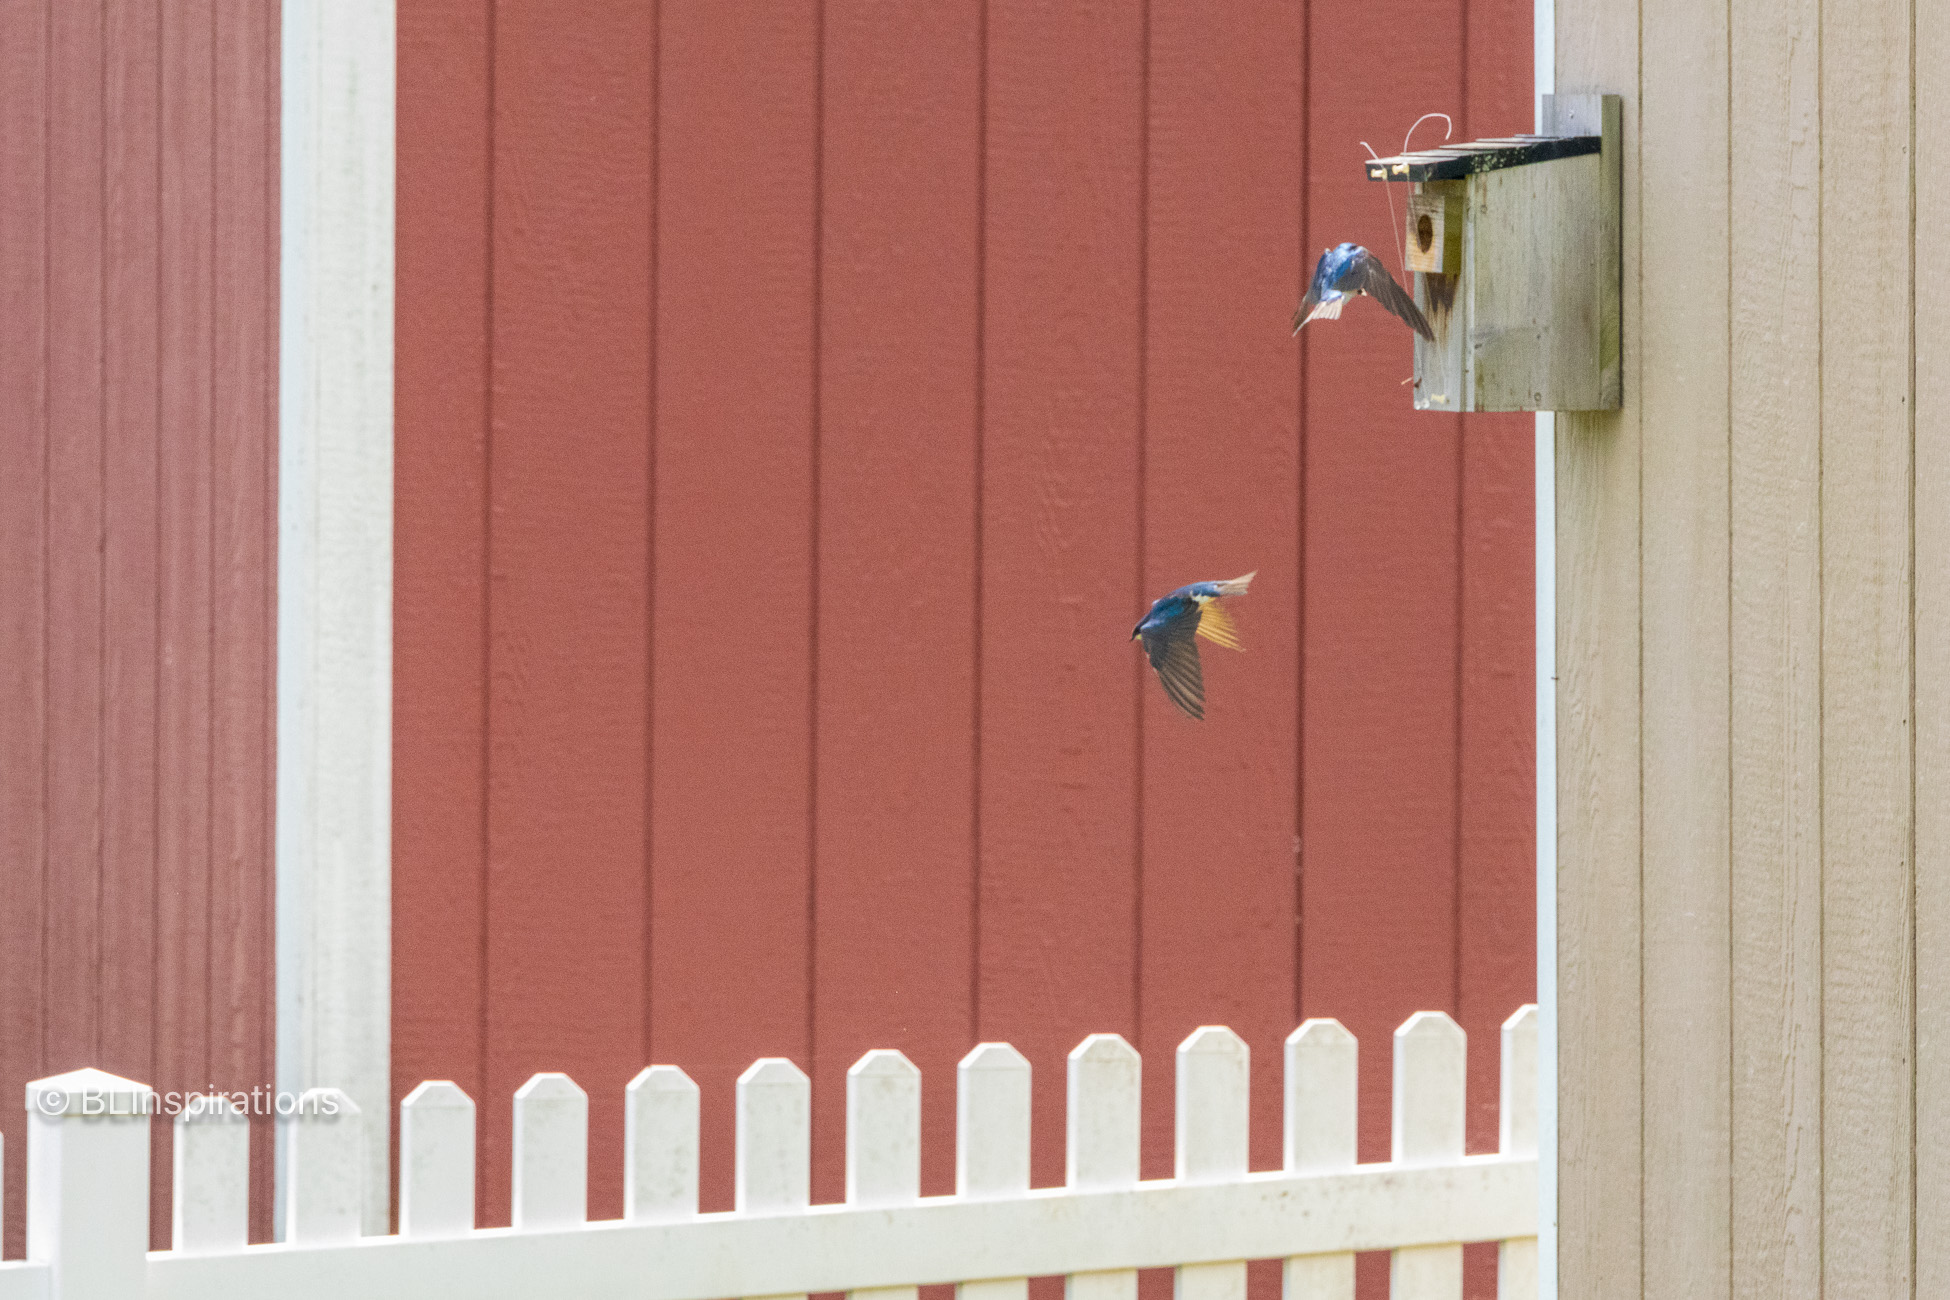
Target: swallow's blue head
1335,263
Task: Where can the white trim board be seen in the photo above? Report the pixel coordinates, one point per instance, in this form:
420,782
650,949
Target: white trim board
1544,77
335,566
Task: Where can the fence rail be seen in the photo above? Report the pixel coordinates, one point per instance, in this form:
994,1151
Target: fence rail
88,1152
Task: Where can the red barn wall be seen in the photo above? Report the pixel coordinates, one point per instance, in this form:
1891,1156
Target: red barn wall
138,461
797,404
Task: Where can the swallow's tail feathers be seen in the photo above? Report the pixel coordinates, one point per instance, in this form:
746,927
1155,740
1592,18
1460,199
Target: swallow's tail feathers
1304,312
1216,626
1237,586
1328,310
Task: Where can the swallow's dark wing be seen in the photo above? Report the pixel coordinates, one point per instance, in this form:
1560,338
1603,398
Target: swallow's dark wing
1372,278
1173,650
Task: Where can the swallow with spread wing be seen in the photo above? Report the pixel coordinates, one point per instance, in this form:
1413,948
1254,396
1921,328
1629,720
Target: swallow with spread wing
1347,270
1170,632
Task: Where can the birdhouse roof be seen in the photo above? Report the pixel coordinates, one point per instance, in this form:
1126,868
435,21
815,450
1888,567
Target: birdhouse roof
1452,162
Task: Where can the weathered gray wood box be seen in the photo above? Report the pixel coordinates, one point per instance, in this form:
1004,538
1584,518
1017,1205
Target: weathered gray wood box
1514,245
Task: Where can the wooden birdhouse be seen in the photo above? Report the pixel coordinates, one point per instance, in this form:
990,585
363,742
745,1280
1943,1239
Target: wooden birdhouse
1513,245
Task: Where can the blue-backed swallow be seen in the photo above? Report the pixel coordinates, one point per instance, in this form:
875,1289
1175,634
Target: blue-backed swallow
1346,270
1170,634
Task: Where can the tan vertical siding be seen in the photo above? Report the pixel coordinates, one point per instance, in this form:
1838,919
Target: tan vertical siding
1683,294
1775,606
1600,928
1931,168
1749,574
1867,1210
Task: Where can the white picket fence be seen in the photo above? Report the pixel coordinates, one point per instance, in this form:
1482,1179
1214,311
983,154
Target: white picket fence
88,1187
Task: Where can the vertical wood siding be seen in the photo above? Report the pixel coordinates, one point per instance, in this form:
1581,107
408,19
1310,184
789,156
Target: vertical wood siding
1056,830
797,404
1754,651
1931,305
896,554
138,268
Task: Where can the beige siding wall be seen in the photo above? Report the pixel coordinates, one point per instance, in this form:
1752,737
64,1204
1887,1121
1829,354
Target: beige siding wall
1754,659
1930,145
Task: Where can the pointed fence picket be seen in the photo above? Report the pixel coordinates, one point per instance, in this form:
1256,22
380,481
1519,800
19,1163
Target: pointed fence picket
327,1188
1105,1092
551,1183
1214,1067
436,1161
88,1156
774,1145
1431,1106
992,1144
883,1142
660,1124
212,1166
1323,1088
1516,1258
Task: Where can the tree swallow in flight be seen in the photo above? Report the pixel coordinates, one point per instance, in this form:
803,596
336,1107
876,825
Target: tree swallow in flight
1349,269
1170,633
